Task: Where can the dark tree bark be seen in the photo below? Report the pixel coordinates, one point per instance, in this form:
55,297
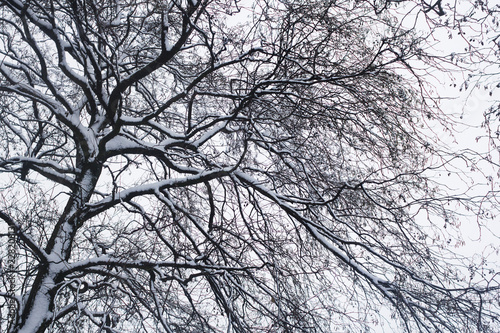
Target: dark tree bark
207,166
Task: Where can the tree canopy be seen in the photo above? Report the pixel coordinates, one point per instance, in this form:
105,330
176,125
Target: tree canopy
224,165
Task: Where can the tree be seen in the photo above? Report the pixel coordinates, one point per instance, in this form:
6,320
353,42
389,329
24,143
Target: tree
199,166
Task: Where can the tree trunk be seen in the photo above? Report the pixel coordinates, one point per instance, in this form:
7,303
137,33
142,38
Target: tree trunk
36,313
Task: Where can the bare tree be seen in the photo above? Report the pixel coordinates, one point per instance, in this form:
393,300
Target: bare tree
199,166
